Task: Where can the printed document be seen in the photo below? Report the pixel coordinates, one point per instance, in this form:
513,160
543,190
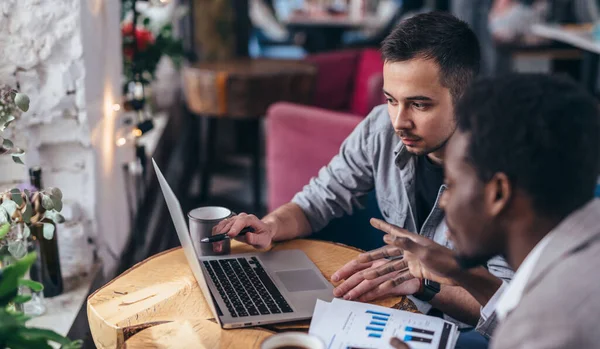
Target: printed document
352,325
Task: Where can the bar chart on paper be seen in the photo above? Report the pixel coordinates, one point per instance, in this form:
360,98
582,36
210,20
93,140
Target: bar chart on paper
351,325
377,324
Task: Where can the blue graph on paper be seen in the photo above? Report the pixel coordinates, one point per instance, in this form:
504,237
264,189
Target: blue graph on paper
377,323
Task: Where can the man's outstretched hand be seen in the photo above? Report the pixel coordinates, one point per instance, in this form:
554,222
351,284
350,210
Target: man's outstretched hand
422,257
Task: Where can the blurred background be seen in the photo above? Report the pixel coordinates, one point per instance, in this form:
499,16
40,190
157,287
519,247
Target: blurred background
240,102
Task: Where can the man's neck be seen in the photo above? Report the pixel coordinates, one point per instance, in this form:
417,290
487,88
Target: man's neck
526,233
437,157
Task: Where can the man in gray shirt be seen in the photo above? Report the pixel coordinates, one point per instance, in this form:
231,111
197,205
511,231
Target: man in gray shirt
398,151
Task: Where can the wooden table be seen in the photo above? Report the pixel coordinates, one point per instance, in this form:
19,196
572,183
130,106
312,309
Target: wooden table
158,303
242,89
579,36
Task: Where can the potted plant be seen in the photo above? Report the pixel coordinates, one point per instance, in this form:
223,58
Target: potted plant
21,210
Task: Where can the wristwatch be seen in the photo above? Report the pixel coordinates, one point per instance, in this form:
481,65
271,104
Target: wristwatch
428,290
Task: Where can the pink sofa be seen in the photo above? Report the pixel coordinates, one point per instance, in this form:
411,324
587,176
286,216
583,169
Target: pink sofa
301,139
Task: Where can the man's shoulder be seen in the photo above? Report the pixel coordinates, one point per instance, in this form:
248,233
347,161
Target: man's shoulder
378,121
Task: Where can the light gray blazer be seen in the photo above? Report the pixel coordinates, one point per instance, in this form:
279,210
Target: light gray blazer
560,307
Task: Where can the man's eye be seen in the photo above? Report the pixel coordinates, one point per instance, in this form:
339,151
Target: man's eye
420,106
389,100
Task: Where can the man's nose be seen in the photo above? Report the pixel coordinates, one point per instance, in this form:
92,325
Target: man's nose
401,121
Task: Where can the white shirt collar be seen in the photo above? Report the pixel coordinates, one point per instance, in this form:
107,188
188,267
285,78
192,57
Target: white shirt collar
510,298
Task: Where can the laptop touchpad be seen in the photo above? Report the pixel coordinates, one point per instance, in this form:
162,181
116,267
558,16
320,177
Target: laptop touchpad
300,280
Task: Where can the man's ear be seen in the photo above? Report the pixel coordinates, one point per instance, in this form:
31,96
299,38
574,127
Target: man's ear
498,193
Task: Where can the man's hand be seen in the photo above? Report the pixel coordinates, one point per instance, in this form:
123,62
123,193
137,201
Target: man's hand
424,258
398,344
260,238
356,287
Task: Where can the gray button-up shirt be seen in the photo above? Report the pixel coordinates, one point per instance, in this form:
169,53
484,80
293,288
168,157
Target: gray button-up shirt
373,157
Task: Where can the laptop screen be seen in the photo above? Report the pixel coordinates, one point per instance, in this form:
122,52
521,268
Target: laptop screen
184,237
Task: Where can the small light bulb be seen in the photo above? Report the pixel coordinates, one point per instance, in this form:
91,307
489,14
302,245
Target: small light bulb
165,1
121,142
136,132
116,107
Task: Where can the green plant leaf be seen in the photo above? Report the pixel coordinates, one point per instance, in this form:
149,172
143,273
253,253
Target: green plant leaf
57,218
7,143
26,232
18,341
18,152
22,101
18,160
10,207
48,335
48,231
28,213
73,345
16,196
55,192
17,248
32,285
22,298
4,217
56,202
47,202
4,229
12,273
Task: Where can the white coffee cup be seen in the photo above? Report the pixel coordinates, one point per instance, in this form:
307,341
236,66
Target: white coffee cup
202,220
290,339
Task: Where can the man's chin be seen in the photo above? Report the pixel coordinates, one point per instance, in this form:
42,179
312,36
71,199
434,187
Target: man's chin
469,262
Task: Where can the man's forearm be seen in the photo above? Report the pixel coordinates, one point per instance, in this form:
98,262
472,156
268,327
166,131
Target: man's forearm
288,222
463,303
480,283
457,302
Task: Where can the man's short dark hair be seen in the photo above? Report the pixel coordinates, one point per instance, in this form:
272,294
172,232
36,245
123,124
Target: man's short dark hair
441,37
541,131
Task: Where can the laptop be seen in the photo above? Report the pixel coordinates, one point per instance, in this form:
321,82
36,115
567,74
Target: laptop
251,289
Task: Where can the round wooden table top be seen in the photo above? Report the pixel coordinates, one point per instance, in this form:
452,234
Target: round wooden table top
245,88
158,303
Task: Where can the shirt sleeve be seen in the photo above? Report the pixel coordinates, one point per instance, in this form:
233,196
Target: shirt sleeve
488,319
342,185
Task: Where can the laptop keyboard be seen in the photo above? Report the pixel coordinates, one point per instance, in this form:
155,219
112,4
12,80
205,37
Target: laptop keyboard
245,287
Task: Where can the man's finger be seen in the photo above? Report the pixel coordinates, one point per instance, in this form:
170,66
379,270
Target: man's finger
258,240
396,231
382,252
398,344
372,295
349,269
406,244
349,284
224,226
242,222
366,286
397,280
387,268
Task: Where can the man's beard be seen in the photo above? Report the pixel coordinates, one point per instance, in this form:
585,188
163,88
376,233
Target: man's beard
428,150
469,262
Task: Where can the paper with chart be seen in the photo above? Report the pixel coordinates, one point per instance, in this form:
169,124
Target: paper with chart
351,325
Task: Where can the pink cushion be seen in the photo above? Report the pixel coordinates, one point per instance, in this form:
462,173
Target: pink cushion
335,78
299,141
369,65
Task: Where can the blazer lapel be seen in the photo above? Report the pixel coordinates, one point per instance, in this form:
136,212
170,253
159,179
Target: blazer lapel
572,233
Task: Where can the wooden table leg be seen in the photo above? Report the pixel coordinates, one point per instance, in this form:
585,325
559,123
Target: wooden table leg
256,162
208,130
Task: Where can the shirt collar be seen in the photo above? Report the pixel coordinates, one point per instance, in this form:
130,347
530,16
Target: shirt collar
401,154
510,298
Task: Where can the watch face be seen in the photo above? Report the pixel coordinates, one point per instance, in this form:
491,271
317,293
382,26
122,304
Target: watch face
432,285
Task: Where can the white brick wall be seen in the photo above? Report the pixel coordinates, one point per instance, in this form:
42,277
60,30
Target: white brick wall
66,56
